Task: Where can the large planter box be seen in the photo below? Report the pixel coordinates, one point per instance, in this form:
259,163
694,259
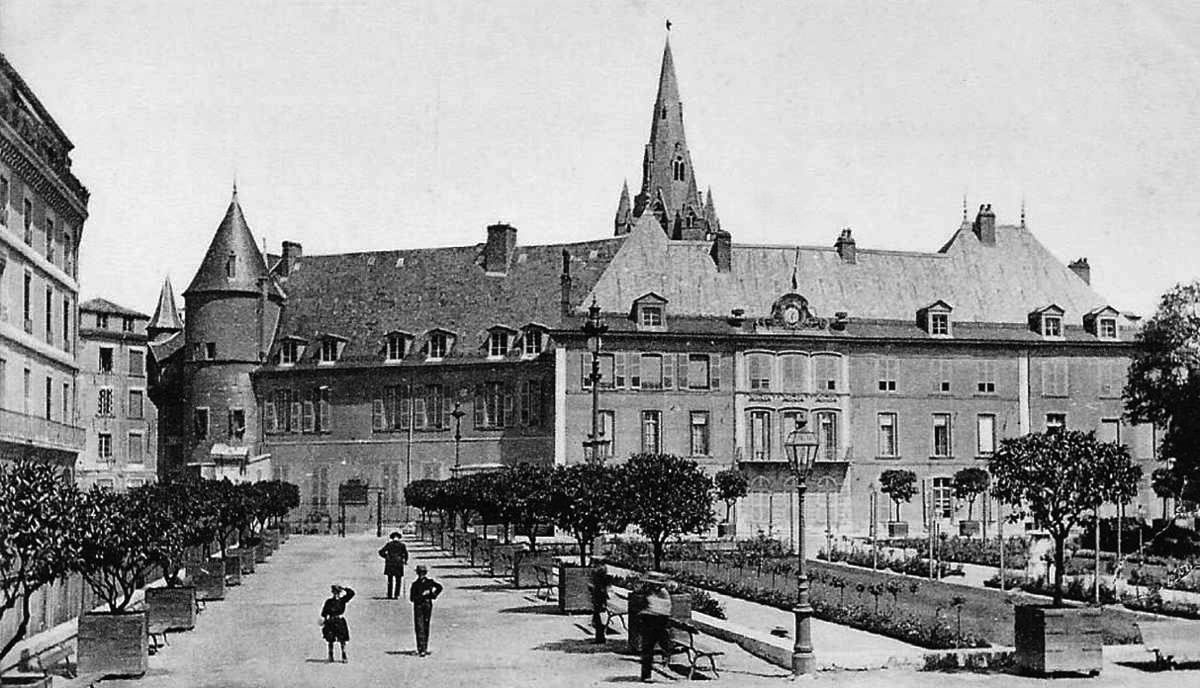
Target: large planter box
681,610
969,528
208,578
246,554
171,608
113,644
503,557
1053,640
525,565
31,680
574,588
261,550
897,529
233,569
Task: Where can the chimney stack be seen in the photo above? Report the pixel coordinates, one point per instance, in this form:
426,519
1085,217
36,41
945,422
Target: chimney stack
565,280
845,247
501,242
985,225
292,252
1081,268
722,251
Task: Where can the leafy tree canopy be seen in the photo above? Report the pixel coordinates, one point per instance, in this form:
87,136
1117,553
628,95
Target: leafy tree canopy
589,499
119,534
731,485
668,495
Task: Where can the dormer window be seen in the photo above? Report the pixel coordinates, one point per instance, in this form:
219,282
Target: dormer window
1102,322
290,351
531,342
498,344
437,346
330,348
102,321
651,316
935,319
1051,325
231,265
397,346
1106,328
1047,321
649,312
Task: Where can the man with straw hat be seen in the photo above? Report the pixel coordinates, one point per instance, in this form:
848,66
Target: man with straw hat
655,619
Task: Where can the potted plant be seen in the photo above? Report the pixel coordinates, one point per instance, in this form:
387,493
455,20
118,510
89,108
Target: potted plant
40,543
116,551
899,485
527,496
169,531
1057,478
229,512
587,500
667,495
731,485
969,483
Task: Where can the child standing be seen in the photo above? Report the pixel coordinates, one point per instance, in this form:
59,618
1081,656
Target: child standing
333,624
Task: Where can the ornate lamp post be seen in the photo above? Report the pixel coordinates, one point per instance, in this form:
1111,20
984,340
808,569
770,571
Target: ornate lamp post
801,446
594,328
458,414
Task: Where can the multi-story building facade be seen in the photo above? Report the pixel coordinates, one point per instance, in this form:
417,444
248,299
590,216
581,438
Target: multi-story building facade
42,211
390,366
121,448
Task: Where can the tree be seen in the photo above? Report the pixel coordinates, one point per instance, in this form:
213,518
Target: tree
527,489
731,485
171,511
118,534
1163,386
39,537
1166,484
1059,477
969,483
587,500
899,485
668,495
420,494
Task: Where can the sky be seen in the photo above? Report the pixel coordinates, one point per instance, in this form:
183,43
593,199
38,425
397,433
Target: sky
355,126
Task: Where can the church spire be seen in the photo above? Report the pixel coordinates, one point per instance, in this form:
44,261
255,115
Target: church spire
623,222
233,262
166,318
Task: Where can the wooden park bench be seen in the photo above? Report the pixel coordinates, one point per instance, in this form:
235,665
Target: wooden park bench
1172,642
60,658
546,582
158,637
694,653
617,608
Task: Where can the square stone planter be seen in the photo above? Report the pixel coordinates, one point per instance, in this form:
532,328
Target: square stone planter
113,644
1057,640
574,588
25,680
208,578
897,529
681,610
233,569
525,565
171,608
246,555
261,551
503,557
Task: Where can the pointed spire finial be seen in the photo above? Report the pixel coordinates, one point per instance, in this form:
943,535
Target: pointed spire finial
1022,212
964,206
234,199
795,267
668,26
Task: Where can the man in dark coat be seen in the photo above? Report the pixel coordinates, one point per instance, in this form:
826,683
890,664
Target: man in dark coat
423,592
395,556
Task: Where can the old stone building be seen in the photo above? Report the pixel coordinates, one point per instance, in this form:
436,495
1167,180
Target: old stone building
390,366
42,211
121,447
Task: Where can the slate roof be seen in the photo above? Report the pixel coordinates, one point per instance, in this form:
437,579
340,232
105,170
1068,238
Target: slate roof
986,284
363,296
106,306
166,316
232,237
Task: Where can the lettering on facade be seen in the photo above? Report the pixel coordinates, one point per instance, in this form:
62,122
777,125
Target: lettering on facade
796,397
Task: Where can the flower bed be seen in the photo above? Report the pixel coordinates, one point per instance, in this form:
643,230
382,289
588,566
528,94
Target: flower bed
972,550
1076,589
910,565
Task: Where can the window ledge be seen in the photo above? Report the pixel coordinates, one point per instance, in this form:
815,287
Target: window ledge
888,458
983,457
948,457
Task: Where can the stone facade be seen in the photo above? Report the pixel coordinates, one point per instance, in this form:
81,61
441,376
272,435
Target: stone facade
42,211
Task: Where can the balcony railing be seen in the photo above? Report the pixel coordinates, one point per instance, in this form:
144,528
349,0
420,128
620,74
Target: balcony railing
26,429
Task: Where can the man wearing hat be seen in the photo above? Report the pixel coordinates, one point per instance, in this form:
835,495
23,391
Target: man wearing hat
654,622
423,592
395,556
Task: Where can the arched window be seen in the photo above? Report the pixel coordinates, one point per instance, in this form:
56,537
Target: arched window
662,114
758,506
827,435
677,168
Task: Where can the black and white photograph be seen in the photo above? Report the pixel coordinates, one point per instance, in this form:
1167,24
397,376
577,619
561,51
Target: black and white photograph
437,343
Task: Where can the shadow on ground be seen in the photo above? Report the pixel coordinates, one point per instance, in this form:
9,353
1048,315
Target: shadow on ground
1151,666
575,646
537,609
487,587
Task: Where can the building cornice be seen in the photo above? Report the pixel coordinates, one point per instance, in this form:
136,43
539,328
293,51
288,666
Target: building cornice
63,192
37,260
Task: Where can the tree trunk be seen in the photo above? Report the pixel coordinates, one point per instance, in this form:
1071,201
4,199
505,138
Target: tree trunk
971,509
1059,545
658,552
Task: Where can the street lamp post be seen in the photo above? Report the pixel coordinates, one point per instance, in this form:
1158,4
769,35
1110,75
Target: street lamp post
801,446
458,414
594,328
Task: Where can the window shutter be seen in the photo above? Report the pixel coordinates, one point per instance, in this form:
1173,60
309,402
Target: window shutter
404,408
307,418
619,368
714,368
326,411
668,365
526,402
509,415
478,406
269,415
295,415
681,371
418,413
585,367
635,371
229,422
377,415
447,419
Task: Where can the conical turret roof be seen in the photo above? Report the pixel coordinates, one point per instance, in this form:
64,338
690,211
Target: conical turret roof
166,316
233,262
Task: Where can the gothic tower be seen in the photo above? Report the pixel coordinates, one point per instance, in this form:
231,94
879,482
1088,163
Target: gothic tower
233,307
669,187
